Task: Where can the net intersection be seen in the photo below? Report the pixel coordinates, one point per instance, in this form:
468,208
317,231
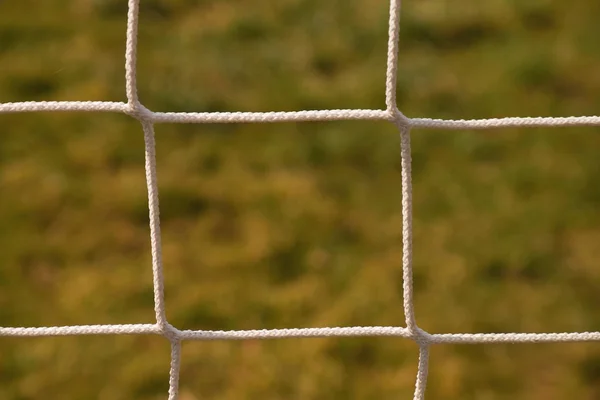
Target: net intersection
148,119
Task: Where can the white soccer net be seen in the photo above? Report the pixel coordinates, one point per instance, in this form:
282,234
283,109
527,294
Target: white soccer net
148,118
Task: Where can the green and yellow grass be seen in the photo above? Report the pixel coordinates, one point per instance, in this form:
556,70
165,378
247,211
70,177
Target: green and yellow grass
298,225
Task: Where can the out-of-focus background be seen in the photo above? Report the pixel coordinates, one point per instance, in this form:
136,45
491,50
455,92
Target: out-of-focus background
298,224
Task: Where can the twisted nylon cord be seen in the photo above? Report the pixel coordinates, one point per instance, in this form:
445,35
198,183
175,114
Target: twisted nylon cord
148,118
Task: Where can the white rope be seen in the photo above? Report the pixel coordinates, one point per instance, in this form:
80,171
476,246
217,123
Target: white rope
148,118
392,56
353,331
298,116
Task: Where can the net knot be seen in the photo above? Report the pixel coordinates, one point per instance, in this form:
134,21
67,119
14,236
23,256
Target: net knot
139,112
169,331
420,336
401,120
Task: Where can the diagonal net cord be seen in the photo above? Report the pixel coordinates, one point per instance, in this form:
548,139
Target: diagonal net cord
148,118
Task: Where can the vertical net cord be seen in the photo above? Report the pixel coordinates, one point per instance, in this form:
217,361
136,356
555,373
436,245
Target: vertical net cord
422,372
403,125
131,53
175,367
407,268
407,231
154,214
390,100
150,162
138,111
392,56
157,270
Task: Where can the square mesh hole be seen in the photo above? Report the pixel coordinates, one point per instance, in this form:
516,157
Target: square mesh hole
506,230
317,368
84,367
281,226
490,59
61,50
265,55
73,221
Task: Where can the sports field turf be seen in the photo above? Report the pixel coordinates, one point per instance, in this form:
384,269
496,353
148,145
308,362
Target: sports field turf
298,224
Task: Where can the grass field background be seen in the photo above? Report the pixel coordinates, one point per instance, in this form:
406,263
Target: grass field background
299,224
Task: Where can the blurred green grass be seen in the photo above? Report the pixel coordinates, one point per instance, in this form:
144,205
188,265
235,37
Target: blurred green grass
291,225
